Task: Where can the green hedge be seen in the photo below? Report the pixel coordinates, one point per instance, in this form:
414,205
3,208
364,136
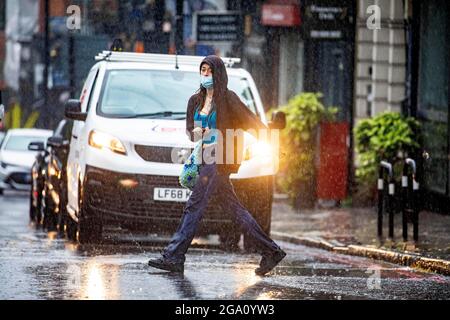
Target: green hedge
388,136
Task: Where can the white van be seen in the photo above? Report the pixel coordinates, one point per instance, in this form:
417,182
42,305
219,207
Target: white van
129,142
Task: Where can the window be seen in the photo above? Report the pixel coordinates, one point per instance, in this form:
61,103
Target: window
87,89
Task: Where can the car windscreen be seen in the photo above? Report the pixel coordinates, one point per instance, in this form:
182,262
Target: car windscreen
20,143
127,93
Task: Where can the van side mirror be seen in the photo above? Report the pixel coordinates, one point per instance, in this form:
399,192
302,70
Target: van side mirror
55,142
73,110
278,120
36,146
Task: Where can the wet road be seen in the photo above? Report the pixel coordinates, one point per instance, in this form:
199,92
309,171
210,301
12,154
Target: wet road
37,265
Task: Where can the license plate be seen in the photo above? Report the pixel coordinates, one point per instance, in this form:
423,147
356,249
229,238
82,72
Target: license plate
171,194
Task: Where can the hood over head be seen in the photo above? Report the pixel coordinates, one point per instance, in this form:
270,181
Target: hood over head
219,71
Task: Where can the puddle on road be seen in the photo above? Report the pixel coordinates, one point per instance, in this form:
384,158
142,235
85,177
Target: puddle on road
39,265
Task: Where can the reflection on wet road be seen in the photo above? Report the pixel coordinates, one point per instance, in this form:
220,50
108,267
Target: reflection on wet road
39,265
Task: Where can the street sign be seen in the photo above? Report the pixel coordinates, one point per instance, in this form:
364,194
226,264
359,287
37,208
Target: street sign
217,27
326,19
280,15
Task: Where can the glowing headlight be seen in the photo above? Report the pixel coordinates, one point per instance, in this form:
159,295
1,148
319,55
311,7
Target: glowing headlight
258,149
102,140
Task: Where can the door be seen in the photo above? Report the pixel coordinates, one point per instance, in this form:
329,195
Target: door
76,145
329,69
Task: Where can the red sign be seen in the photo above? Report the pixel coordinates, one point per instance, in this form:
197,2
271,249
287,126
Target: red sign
280,15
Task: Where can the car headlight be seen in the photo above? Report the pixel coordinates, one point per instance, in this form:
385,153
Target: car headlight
103,140
258,149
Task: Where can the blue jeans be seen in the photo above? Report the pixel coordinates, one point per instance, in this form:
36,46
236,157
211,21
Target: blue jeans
208,182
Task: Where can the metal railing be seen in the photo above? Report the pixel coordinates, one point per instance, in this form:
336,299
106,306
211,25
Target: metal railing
409,198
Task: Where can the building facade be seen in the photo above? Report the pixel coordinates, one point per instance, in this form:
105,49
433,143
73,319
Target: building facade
429,103
380,61
404,67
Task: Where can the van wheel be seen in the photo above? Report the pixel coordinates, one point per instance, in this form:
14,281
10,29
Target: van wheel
230,241
89,226
71,229
32,208
61,223
90,231
50,221
262,212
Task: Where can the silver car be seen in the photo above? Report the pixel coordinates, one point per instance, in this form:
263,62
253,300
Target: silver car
16,159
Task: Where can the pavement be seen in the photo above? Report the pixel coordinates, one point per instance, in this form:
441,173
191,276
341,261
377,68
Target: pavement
353,231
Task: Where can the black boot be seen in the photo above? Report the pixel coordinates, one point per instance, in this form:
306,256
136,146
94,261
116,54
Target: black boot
164,264
269,261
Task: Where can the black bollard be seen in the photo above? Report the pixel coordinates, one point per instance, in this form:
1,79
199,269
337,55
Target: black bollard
410,203
384,165
391,207
380,200
406,210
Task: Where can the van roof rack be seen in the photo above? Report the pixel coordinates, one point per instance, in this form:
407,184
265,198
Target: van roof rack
158,58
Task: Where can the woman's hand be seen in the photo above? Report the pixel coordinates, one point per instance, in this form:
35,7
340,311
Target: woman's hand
198,133
197,130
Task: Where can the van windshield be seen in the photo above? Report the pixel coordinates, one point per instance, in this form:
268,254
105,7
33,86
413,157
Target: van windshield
160,93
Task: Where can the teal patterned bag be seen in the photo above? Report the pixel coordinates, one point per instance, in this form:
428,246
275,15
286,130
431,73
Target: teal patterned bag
191,168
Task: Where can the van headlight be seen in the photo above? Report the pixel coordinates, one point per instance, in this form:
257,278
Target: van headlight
101,140
258,149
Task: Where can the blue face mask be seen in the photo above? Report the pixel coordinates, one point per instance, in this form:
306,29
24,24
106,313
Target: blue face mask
206,82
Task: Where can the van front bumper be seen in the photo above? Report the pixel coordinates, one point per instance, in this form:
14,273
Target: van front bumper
134,207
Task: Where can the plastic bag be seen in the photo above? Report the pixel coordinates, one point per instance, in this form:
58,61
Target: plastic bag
191,168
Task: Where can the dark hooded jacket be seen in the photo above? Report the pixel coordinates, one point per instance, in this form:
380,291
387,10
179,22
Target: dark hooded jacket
231,113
